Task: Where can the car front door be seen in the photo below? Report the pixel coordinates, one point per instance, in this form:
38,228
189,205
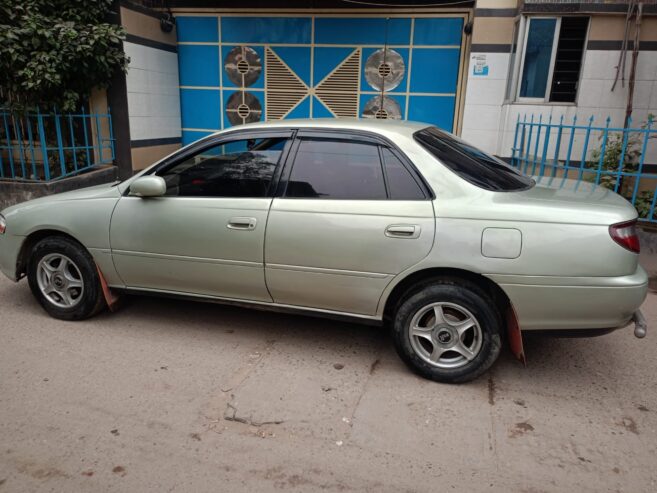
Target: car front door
206,235
350,214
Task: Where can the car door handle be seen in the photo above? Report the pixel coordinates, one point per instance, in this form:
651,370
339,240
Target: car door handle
243,223
403,231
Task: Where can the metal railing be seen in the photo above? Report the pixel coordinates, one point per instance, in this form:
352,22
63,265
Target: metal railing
44,146
620,159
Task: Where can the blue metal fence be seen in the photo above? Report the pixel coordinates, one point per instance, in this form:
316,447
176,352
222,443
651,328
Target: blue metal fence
38,145
621,159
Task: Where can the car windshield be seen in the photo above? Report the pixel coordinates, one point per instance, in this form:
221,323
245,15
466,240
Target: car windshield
472,164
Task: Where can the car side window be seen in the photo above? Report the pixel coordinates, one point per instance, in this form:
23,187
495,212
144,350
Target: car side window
336,169
239,168
401,184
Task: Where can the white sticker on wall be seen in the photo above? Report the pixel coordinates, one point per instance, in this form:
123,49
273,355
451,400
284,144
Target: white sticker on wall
479,66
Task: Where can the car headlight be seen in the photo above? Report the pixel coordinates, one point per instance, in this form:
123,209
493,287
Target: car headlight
3,224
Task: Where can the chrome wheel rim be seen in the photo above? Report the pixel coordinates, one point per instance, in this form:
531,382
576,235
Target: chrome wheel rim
445,335
60,280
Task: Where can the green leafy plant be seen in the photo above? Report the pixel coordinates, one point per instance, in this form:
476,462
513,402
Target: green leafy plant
643,202
610,163
612,157
54,52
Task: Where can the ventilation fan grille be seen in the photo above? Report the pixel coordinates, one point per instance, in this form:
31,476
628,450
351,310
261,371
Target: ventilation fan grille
284,88
339,90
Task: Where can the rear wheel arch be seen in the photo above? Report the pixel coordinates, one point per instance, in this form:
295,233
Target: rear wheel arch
416,281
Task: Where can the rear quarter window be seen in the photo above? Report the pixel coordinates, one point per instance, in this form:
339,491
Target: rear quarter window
472,164
401,184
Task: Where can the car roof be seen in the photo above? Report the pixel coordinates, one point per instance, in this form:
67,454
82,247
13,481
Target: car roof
364,124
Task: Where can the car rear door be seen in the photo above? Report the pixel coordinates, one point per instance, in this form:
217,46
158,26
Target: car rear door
206,235
349,215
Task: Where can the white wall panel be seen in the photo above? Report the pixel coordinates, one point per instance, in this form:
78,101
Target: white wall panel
482,116
646,67
485,91
484,139
484,100
595,98
153,93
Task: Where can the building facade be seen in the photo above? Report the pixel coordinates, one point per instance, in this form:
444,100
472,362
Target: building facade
470,67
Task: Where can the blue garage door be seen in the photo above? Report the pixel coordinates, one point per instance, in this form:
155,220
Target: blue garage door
236,70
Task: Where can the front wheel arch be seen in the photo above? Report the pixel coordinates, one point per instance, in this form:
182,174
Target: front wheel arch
72,287
31,240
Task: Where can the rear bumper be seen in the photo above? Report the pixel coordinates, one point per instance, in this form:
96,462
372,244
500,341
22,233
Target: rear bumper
638,320
577,303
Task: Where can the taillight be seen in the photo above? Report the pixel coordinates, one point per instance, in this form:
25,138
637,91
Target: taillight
625,235
3,225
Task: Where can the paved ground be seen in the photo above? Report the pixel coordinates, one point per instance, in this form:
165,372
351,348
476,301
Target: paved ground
179,396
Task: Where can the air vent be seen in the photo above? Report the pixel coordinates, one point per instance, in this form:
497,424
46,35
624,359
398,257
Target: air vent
339,90
284,88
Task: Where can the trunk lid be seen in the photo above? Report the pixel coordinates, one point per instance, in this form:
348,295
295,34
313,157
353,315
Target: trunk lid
568,201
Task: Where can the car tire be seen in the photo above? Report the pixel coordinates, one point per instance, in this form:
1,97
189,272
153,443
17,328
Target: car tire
447,331
64,279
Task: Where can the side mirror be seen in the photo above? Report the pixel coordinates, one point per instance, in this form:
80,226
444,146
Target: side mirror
148,186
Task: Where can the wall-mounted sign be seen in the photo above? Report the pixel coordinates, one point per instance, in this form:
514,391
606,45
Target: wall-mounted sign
479,66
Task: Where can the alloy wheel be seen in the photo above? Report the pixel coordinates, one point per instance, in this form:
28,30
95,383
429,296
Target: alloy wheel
60,280
445,335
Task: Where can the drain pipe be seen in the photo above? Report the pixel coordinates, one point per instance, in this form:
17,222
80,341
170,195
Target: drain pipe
635,55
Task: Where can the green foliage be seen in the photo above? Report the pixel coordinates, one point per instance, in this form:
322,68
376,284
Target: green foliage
612,157
643,202
54,52
610,163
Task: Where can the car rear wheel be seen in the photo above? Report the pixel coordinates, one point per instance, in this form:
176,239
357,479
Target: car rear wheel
63,278
447,331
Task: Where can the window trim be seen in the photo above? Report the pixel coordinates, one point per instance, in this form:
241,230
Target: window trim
582,60
357,134
354,136
512,76
553,56
214,140
225,138
408,170
515,72
281,174
439,160
382,163
327,136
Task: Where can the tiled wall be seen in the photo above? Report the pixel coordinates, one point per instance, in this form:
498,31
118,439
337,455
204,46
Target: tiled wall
153,94
484,100
595,98
490,123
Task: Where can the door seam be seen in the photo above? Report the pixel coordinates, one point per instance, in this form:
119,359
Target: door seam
109,240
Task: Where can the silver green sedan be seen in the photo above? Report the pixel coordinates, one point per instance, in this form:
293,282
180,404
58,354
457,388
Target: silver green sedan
379,221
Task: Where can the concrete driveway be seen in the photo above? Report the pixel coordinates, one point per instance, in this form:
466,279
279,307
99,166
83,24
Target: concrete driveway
179,396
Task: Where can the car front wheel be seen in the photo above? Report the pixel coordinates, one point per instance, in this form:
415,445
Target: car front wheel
63,278
448,331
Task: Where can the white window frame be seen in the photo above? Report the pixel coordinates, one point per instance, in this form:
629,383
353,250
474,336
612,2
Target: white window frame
518,40
525,23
